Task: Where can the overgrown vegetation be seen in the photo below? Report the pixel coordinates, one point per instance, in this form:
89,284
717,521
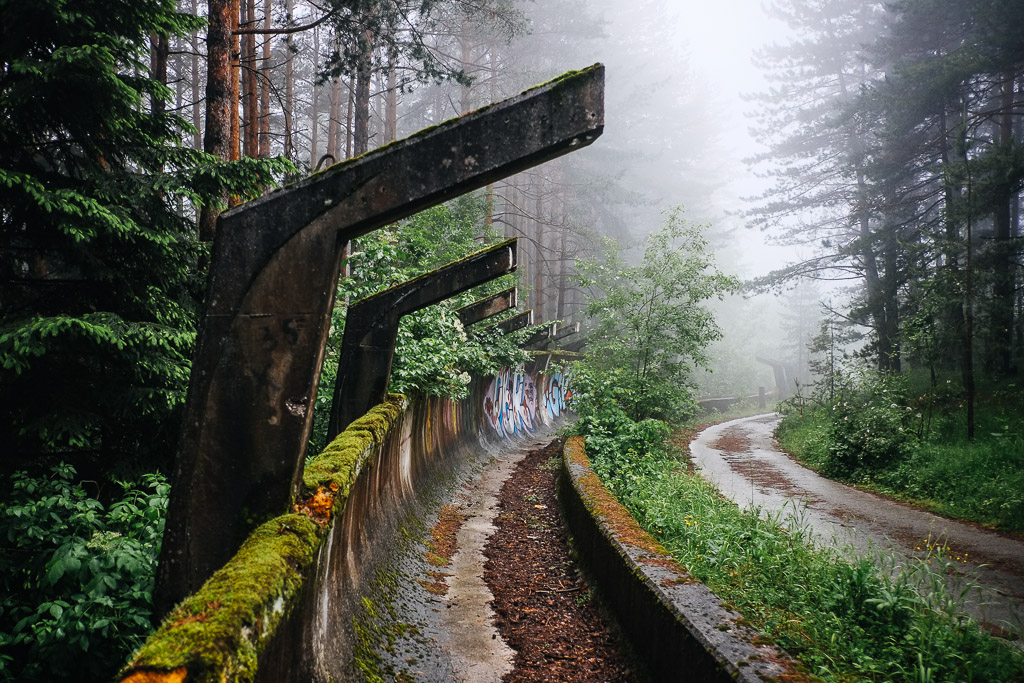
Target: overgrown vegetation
434,354
907,440
76,575
845,618
650,328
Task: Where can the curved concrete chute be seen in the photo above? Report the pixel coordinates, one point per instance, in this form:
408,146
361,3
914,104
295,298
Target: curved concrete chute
269,296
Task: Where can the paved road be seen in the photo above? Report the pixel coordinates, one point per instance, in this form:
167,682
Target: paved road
743,460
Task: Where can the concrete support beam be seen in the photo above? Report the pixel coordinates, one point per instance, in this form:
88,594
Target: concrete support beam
270,291
371,328
516,322
541,337
566,331
485,308
575,345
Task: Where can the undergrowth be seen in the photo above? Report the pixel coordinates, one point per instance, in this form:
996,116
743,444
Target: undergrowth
911,444
845,618
77,576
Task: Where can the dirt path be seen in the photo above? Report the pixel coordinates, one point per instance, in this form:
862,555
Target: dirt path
743,460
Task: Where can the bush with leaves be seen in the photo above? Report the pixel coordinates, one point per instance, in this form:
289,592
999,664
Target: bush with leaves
649,323
871,427
77,576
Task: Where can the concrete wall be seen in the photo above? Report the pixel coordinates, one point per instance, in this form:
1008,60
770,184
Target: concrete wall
282,608
677,627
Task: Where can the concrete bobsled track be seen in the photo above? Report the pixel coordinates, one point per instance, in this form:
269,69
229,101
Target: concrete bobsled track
312,593
339,589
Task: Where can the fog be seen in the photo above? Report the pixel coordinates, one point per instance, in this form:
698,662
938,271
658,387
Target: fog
677,133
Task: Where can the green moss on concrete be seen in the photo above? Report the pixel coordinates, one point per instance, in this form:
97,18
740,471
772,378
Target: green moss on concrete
219,631
338,465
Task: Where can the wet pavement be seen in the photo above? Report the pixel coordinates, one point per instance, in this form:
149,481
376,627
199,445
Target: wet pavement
742,458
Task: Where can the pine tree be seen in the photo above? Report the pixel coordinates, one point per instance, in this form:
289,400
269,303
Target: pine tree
99,286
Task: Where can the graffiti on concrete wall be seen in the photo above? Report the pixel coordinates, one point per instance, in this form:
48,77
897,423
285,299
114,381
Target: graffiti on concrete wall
511,402
514,406
557,393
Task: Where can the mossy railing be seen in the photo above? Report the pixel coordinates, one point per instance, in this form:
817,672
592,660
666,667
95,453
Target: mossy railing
678,628
218,633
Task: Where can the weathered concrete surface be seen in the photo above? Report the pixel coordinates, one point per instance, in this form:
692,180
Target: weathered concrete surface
575,346
326,598
743,460
271,287
566,331
371,327
517,322
488,306
480,655
680,630
541,337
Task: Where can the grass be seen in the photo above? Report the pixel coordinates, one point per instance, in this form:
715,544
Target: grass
844,618
942,471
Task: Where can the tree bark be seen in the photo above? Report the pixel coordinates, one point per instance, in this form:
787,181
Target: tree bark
249,71
314,119
197,120
364,74
1003,275
217,136
289,83
236,72
391,100
264,83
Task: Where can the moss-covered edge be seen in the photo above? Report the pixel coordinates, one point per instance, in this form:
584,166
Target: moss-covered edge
603,506
217,633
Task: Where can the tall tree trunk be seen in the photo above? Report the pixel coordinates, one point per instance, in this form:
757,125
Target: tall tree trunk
364,74
953,311
562,268
236,72
334,118
391,99
160,49
197,120
349,111
465,91
217,137
289,82
314,119
249,71
538,270
1004,275
264,83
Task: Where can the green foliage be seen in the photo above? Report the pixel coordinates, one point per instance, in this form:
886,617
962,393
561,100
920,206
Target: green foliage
649,325
930,461
99,278
434,354
77,576
616,444
870,428
843,617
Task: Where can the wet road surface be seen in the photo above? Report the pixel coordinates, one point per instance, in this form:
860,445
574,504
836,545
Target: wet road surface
743,460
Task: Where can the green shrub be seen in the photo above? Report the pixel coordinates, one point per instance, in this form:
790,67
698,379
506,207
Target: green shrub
77,577
871,428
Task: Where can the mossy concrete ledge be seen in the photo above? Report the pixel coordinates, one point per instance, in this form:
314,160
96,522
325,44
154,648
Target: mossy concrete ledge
678,628
218,633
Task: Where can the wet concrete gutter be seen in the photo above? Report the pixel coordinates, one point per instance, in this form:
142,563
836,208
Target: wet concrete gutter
678,628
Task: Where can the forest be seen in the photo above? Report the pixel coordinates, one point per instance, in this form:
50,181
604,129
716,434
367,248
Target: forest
874,248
